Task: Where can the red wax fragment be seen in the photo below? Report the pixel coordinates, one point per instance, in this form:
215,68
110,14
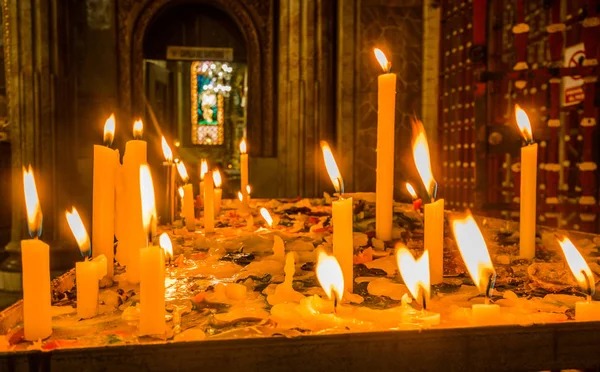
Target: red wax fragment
364,256
17,337
417,204
55,344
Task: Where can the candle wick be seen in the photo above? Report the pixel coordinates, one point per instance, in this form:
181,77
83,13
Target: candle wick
424,300
335,302
490,287
588,281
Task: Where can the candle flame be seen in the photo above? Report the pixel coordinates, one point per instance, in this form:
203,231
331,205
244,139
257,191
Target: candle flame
411,191
267,216
240,196
181,193
216,175
166,150
138,129
203,168
474,252
523,123
332,168
243,147
148,201
415,273
32,203
183,172
79,232
422,157
248,190
330,276
109,130
582,272
386,66
165,243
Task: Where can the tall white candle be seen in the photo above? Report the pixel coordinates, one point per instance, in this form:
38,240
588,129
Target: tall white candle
203,170
528,187
386,108
106,162
188,198
35,257
209,204
244,168
134,236
218,191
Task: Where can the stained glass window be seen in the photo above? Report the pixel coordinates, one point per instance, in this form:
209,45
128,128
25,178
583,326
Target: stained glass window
210,86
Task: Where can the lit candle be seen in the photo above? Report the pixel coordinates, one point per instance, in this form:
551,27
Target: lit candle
152,258
248,192
181,199
415,274
203,170
87,273
244,167
188,198
434,210
475,254
133,232
587,310
386,108
209,204
415,198
106,162
342,219
242,207
35,257
330,276
528,186
218,191
169,211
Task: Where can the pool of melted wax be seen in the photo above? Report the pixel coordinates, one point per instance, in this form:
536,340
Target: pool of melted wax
231,285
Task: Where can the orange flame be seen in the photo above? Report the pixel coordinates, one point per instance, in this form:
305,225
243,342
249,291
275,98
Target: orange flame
165,243
248,190
332,168
267,216
582,272
79,231
203,168
181,192
415,273
411,191
138,128
166,150
243,147
330,276
382,59
421,155
523,123
32,203
183,172
148,201
109,129
217,178
240,196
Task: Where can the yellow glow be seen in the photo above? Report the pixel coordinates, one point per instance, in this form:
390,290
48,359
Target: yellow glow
32,203
243,147
180,190
109,129
523,123
267,216
165,243
138,128
240,196
411,191
332,168
148,201
203,168
382,59
421,155
474,251
79,232
330,275
415,273
182,172
217,178
582,272
166,150
248,189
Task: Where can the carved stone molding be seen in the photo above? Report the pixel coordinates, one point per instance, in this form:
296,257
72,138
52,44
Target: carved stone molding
253,17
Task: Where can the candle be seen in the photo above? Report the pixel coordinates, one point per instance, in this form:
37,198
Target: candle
169,208
209,204
218,191
248,192
152,273
181,199
188,198
477,259
203,170
35,257
87,273
106,162
242,207
528,186
133,231
244,168
330,276
415,274
415,198
342,219
434,210
584,310
386,108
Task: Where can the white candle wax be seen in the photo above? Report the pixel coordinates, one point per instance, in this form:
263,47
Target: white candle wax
202,192
343,248
528,200
106,161
386,107
485,314
218,196
37,315
244,175
209,204
434,239
152,291
587,311
188,207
